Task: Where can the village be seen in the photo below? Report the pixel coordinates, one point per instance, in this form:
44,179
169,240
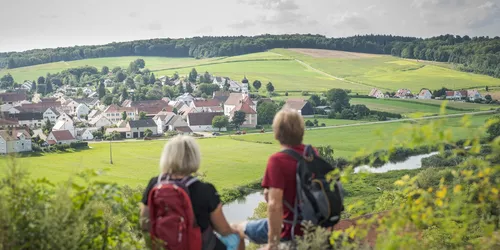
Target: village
64,119
471,95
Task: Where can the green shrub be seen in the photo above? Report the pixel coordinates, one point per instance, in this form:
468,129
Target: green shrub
79,144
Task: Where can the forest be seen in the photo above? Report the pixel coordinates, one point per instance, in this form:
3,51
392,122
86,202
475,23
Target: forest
476,54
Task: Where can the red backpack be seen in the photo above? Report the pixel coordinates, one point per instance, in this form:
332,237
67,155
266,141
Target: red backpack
173,223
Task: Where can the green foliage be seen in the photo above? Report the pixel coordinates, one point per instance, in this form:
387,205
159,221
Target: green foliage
101,90
257,84
193,75
142,115
220,122
7,81
338,99
43,215
238,118
189,88
124,115
493,127
270,87
104,70
207,88
266,112
309,123
148,133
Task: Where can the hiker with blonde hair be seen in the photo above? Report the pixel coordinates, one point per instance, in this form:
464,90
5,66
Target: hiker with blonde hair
180,211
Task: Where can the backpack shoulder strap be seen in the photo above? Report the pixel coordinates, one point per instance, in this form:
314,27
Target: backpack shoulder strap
292,153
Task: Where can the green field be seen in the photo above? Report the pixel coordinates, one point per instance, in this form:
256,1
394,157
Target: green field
403,107
226,162
279,66
285,75
392,73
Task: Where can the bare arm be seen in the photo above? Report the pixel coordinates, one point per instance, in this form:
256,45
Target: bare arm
275,215
219,222
144,218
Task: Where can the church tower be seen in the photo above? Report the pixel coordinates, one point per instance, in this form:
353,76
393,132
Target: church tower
244,86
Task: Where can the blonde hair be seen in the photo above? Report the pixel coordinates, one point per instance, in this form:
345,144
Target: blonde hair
288,127
181,155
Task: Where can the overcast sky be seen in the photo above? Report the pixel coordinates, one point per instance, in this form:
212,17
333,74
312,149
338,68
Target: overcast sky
27,24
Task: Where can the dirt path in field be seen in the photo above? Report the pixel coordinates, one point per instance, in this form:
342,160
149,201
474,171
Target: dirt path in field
327,74
324,53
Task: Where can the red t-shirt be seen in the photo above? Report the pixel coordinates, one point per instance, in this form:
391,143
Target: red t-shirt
280,173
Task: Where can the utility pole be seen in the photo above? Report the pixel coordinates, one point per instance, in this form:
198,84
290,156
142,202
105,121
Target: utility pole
110,153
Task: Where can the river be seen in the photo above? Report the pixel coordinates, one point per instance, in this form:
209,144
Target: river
240,210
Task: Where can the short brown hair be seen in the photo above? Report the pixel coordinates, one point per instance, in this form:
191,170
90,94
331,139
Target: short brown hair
288,127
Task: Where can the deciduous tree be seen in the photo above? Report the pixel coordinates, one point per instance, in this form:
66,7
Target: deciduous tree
239,117
257,84
104,70
266,112
338,99
270,87
220,122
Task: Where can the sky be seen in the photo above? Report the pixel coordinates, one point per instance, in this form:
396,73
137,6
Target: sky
28,24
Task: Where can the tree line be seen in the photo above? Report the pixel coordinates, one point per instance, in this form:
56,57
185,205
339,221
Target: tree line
201,47
477,54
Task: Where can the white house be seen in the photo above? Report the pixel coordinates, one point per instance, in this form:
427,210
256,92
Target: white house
139,127
376,93
424,94
403,93
114,113
455,95
186,98
15,141
234,86
29,119
26,86
87,91
84,134
51,114
219,81
82,110
161,119
100,121
199,122
65,125
473,94
60,137
69,106
63,116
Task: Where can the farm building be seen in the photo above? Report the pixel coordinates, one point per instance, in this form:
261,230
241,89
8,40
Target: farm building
424,94
302,106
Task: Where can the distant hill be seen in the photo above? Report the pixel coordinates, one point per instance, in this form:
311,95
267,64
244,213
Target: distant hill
478,54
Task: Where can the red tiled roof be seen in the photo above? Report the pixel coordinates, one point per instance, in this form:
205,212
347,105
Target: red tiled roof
62,135
463,93
203,118
113,108
245,107
12,97
41,106
206,103
151,107
296,104
450,93
51,142
234,99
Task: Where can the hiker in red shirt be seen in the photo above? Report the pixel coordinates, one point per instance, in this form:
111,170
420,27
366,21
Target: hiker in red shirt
280,185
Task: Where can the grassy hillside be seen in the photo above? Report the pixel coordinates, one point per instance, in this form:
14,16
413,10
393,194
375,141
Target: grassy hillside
392,73
320,70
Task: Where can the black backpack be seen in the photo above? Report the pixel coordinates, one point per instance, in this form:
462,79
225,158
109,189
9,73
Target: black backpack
318,200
